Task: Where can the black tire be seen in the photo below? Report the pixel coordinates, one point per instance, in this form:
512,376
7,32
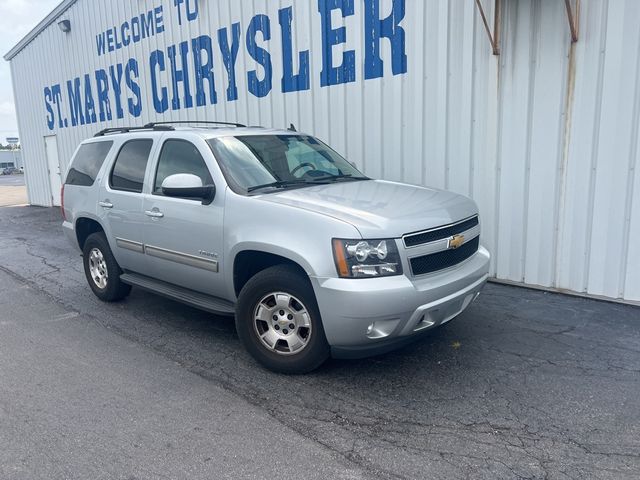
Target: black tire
114,289
289,280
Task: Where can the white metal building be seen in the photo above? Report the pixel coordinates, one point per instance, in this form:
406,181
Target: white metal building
544,136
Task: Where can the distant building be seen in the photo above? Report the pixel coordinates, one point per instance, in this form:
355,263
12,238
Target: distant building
10,158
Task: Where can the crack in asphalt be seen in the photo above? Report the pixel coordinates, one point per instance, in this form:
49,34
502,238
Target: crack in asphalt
517,400
226,384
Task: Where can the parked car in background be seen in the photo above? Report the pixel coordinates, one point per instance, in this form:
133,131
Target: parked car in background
10,171
311,256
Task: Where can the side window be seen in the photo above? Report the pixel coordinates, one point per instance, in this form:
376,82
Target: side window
87,163
180,156
128,171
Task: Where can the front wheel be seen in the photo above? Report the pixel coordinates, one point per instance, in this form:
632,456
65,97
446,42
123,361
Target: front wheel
279,323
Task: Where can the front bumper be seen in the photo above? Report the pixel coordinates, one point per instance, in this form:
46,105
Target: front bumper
362,317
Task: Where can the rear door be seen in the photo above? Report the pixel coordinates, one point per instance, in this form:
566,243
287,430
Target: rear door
120,204
80,191
183,237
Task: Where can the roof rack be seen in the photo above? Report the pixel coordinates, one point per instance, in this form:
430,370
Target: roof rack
107,131
178,122
162,126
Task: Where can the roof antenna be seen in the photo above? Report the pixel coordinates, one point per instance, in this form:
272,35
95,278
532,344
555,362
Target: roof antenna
292,128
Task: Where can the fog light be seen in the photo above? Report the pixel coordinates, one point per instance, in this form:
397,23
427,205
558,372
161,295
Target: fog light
382,328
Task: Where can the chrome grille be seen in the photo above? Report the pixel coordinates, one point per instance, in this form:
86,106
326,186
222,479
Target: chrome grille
420,238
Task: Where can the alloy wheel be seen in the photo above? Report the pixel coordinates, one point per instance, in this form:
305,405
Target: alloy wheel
282,323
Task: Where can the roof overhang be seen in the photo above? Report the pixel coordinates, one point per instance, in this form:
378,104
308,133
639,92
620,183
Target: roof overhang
49,19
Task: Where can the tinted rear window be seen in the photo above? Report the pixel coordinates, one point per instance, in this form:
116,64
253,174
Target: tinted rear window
87,163
128,172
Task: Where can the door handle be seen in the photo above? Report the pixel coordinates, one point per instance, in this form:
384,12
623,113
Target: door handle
154,214
106,204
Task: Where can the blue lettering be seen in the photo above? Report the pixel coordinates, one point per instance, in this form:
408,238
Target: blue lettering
178,76
192,13
131,75
204,71
110,40
116,82
118,42
229,56
177,4
48,98
161,104
57,100
146,23
125,34
158,12
389,28
101,44
89,103
142,26
291,82
259,23
104,105
345,73
75,101
135,29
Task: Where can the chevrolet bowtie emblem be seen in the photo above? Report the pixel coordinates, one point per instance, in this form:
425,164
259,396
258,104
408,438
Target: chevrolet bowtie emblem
456,241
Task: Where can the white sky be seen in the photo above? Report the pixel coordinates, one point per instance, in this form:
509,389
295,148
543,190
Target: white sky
17,18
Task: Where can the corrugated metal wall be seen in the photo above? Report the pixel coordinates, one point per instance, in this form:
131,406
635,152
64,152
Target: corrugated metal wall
544,137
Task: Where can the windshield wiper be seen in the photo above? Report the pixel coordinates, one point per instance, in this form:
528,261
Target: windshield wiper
347,176
314,181
279,184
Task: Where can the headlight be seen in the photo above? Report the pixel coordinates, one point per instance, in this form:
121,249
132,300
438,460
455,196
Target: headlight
366,258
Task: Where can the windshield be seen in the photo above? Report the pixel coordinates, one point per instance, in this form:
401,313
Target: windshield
256,162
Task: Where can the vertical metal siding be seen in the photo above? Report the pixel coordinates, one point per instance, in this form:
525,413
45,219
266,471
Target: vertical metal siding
545,137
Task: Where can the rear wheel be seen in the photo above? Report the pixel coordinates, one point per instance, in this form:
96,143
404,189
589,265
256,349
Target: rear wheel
279,323
102,270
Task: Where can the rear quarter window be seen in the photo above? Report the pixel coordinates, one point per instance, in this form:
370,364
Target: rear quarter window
87,163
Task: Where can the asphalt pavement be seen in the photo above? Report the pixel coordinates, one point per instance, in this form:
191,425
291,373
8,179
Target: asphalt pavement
12,180
524,384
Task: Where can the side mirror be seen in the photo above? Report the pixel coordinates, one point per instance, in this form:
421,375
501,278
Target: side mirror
187,185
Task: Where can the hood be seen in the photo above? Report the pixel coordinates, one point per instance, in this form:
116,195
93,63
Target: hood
380,209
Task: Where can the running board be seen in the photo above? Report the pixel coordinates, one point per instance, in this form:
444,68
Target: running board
183,295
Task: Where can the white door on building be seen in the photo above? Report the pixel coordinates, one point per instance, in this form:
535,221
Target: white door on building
53,162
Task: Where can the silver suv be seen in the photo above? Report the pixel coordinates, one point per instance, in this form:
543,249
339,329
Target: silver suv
312,257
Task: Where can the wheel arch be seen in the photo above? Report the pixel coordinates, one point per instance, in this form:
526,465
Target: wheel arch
250,260
85,226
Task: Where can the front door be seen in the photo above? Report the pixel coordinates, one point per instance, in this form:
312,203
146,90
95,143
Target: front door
53,164
183,237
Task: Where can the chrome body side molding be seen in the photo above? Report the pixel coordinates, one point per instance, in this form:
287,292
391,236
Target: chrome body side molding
183,258
130,245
